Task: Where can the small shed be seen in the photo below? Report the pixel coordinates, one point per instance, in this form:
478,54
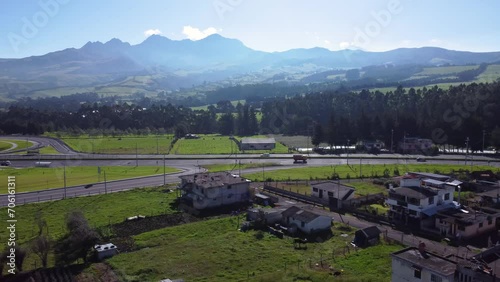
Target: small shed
257,144
105,251
306,221
366,237
271,216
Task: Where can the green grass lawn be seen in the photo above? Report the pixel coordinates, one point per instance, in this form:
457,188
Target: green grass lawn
100,210
216,144
364,188
37,178
48,150
305,172
152,144
236,167
5,144
214,250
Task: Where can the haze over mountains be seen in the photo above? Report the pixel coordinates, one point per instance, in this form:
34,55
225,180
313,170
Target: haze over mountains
172,64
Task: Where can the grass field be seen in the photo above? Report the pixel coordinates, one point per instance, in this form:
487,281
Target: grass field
153,144
38,178
491,73
236,166
216,144
214,250
5,144
100,210
304,172
48,150
445,70
363,188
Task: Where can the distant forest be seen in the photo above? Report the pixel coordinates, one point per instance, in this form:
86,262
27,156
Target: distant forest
447,116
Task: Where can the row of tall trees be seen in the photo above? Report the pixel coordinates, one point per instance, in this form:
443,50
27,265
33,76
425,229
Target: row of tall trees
447,116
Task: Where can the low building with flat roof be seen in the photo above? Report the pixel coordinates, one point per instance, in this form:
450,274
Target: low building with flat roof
248,143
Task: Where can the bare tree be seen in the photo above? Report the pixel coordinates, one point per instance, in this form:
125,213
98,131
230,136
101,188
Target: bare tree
78,242
41,247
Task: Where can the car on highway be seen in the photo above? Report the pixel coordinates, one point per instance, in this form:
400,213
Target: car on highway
88,186
5,163
421,160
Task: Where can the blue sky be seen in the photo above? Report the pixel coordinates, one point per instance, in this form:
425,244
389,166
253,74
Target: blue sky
35,27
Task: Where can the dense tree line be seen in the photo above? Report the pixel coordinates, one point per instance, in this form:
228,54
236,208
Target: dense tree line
447,116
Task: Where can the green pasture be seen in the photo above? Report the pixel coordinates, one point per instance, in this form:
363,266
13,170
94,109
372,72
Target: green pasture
39,178
214,250
217,144
305,172
150,144
100,210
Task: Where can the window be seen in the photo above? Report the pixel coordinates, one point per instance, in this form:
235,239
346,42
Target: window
330,194
480,225
417,273
435,278
302,224
490,221
315,189
431,200
446,196
228,186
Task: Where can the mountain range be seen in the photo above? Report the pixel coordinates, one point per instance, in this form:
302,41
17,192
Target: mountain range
169,64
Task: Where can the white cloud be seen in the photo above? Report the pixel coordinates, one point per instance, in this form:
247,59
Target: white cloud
327,42
435,41
150,32
194,33
344,45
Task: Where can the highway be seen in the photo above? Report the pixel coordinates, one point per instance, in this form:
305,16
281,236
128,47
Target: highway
188,164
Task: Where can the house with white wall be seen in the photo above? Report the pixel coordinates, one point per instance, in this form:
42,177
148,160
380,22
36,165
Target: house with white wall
211,190
330,189
417,265
417,202
306,221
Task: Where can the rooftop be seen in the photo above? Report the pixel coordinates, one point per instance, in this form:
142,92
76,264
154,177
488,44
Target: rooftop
427,260
414,192
332,186
300,214
258,140
467,218
430,175
214,179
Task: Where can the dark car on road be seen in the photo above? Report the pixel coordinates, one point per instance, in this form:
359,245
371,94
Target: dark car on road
4,163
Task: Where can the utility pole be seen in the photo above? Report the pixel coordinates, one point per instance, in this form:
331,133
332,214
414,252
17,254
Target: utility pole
164,179
348,141
105,187
484,133
64,181
392,138
404,142
466,149
136,157
157,149
360,171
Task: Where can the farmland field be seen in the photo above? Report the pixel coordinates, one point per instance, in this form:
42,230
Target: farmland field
38,178
491,73
152,144
305,172
216,144
100,210
214,250
445,70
